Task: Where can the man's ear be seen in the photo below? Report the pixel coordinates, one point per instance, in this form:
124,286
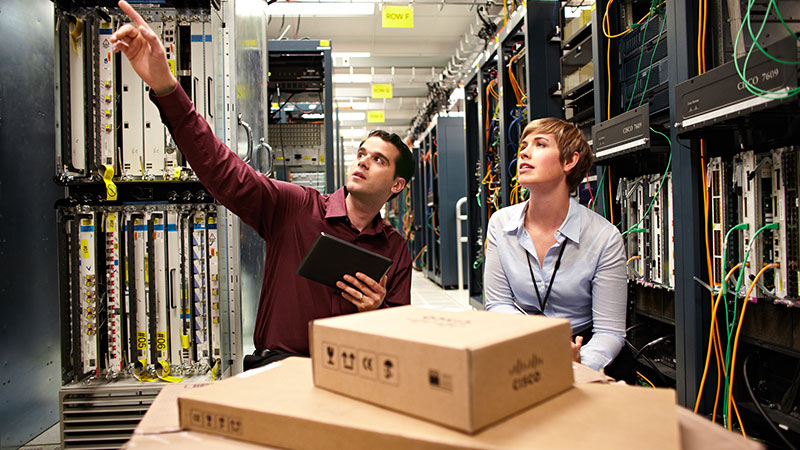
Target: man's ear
571,162
398,185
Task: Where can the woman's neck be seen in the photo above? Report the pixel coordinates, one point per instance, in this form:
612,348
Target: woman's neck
547,210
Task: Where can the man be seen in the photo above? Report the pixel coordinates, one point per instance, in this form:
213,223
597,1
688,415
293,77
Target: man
287,216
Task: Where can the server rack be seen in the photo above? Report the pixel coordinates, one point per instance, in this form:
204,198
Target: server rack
723,138
631,144
504,92
301,113
744,138
443,183
151,269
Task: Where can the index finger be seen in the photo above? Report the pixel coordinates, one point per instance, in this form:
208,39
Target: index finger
134,16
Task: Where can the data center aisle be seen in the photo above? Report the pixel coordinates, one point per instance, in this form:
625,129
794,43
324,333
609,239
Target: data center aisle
426,293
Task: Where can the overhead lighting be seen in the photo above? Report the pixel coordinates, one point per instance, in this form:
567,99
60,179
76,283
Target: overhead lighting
458,94
353,132
354,78
351,54
352,116
320,9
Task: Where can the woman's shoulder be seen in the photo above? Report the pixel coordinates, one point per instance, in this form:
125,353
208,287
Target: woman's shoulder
507,214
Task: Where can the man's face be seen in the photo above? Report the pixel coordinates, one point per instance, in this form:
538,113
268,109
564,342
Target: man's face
372,173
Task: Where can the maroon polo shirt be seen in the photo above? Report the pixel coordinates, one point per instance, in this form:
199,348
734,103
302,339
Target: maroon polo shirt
289,218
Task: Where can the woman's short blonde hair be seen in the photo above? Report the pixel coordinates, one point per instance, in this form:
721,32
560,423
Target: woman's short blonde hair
570,140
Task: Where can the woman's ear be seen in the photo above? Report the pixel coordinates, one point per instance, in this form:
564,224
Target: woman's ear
571,162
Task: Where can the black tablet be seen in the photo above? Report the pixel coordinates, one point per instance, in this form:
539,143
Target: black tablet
331,258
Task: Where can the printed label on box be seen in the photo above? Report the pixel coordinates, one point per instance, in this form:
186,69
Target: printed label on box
368,364
216,422
331,355
387,365
348,356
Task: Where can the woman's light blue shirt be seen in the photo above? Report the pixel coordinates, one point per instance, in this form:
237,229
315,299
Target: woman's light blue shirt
590,288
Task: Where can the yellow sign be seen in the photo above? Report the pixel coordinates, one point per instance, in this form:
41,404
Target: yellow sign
381,91
376,116
398,16
325,43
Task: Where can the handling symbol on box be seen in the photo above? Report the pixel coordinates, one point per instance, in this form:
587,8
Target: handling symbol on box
331,356
348,360
197,418
235,425
368,364
387,365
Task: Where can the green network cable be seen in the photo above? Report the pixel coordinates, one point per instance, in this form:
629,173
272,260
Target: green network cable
740,278
653,8
599,189
658,191
652,56
772,95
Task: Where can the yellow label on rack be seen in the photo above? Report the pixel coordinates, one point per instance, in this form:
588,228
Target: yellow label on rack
111,188
85,248
177,173
397,16
324,43
141,340
185,340
171,66
112,223
376,116
161,341
165,373
215,371
381,91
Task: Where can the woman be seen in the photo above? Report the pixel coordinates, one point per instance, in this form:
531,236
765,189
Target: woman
552,256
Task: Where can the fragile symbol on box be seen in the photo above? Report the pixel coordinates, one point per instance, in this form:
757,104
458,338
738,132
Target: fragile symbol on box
331,356
387,365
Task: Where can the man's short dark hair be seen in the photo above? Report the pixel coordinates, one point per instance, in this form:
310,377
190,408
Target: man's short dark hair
404,165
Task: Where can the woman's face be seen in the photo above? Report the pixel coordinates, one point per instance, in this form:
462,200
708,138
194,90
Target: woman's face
539,162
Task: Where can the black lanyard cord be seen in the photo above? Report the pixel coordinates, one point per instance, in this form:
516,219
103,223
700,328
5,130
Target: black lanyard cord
553,277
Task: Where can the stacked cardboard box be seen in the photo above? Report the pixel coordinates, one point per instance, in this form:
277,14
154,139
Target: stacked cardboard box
466,372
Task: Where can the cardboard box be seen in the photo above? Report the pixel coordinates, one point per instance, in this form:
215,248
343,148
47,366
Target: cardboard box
465,369
162,415
187,440
281,407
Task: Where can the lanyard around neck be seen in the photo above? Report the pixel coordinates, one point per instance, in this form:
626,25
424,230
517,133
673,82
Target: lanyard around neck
542,304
